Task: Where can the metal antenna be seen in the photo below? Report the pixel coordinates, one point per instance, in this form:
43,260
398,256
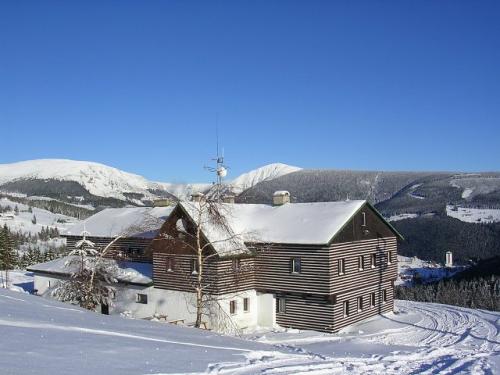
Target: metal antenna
220,169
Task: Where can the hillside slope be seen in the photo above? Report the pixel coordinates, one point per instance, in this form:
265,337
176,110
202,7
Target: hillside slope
420,338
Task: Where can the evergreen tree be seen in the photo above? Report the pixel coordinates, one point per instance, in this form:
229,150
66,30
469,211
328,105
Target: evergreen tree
7,255
33,220
16,210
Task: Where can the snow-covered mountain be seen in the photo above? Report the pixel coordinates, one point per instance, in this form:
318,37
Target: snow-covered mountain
265,173
86,182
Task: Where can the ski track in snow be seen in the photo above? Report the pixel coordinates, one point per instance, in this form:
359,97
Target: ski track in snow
446,340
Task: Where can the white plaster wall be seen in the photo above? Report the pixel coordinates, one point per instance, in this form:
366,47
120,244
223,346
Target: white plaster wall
267,309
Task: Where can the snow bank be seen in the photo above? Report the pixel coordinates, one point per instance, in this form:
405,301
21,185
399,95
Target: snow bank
473,215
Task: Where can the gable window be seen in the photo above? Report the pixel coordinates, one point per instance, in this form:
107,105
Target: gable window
384,295
141,298
341,266
232,307
280,305
194,269
361,262
373,260
372,299
246,304
296,266
360,304
363,219
345,307
236,265
170,264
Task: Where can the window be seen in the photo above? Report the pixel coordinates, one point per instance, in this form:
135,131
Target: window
135,251
236,265
361,262
346,308
341,266
170,264
296,266
372,299
280,305
384,295
232,307
373,260
194,267
360,304
141,298
389,257
246,304
363,219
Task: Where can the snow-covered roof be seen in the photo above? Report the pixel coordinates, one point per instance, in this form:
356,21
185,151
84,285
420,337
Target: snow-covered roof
129,221
128,272
293,223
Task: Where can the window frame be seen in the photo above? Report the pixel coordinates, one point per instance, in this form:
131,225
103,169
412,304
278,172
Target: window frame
246,304
361,262
294,262
193,266
141,298
236,264
373,300
346,308
280,305
363,219
232,307
373,260
359,302
341,266
170,264
384,296
389,257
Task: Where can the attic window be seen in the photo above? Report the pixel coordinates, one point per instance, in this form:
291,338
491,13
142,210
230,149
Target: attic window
341,266
363,219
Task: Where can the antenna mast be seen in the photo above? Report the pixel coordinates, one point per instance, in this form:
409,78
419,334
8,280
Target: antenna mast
220,168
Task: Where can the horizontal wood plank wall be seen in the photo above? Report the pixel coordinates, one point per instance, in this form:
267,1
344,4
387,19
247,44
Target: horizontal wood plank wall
273,269
123,246
220,277
353,278
340,321
231,281
306,312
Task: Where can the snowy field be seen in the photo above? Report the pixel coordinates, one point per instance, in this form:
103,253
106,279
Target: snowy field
410,268
48,337
474,215
24,220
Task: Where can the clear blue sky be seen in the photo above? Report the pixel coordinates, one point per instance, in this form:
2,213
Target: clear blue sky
386,85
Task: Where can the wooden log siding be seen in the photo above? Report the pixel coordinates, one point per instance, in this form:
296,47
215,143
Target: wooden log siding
273,269
123,246
353,278
219,274
306,312
340,321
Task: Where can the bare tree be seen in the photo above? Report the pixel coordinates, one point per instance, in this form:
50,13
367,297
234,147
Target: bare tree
208,236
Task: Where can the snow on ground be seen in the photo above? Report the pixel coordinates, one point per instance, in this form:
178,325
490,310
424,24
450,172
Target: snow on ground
473,215
23,221
410,268
48,337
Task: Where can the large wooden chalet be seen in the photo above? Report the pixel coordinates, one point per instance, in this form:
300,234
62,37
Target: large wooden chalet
319,266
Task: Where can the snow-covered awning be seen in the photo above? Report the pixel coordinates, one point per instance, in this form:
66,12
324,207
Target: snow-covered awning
127,272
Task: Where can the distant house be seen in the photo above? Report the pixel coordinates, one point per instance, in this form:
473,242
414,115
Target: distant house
319,266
